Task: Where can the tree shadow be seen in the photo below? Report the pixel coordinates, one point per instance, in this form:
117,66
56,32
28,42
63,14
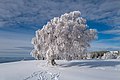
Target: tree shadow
92,64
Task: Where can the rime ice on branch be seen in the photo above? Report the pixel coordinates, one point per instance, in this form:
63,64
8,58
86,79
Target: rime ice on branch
67,36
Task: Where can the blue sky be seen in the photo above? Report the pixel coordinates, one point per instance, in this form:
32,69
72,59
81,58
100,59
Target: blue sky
19,19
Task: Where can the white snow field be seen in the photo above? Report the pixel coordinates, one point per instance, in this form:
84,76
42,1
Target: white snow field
66,70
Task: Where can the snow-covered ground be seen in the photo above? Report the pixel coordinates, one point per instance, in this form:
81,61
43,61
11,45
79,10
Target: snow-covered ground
66,70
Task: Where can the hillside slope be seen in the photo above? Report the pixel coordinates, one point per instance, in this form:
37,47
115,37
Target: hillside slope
72,70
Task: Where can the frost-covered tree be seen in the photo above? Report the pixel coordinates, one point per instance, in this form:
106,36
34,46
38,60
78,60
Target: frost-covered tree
110,55
67,36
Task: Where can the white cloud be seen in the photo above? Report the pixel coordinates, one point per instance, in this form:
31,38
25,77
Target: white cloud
2,23
15,44
16,12
113,31
112,39
116,38
117,27
102,45
11,42
38,11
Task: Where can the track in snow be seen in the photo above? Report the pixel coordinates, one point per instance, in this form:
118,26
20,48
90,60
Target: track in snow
43,75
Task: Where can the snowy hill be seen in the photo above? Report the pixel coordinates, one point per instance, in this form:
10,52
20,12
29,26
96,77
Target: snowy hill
72,70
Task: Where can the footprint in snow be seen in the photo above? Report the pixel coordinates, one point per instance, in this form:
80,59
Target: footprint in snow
43,75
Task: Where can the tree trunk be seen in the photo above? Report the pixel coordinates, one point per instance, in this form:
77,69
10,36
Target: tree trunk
53,62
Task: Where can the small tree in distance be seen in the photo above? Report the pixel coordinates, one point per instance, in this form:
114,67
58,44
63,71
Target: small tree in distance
66,36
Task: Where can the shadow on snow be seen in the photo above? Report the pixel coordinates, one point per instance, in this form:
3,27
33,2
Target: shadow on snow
92,64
